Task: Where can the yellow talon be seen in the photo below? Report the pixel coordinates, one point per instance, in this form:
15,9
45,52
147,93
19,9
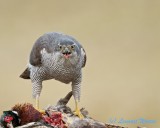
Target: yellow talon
41,111
77,111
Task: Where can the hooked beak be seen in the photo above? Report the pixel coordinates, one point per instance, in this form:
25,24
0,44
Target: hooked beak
66,53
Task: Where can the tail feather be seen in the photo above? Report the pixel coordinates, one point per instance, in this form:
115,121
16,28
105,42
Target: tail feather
25,74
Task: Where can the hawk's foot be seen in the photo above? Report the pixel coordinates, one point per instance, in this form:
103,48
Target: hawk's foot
78,113
41,111
37,106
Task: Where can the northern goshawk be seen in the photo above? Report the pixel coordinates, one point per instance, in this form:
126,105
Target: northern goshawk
56,56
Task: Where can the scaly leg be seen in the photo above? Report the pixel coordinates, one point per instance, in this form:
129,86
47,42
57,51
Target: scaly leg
77,111
37,105
36,90
37,102
76,87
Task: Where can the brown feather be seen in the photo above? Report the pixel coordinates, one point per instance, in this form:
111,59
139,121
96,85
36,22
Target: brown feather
27,113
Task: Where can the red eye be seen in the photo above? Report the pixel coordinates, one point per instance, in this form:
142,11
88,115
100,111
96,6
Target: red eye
8,119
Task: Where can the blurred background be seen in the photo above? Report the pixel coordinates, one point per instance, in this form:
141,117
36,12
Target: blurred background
121,79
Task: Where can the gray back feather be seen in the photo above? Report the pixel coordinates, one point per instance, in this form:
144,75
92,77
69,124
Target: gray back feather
49,42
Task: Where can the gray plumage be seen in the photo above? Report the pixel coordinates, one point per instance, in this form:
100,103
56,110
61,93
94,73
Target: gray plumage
56,56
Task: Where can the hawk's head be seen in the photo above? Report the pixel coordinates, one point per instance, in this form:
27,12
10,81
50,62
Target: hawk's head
68,51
